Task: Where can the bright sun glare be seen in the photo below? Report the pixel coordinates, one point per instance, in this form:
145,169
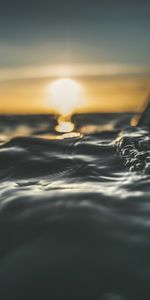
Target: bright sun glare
65,96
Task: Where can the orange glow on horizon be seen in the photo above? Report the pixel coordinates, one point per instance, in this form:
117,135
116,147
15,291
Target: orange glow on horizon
100,94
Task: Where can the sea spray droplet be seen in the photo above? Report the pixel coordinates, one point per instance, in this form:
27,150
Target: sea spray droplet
145,118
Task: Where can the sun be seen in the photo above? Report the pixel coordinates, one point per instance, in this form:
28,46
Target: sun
65,95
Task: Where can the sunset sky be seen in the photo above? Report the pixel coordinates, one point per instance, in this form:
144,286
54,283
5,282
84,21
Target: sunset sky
104,45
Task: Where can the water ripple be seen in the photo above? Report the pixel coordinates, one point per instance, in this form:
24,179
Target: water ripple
75,216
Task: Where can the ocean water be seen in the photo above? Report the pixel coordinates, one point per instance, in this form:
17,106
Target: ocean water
74,209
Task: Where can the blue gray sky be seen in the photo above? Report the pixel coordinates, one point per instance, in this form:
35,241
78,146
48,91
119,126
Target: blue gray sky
37,33
103,44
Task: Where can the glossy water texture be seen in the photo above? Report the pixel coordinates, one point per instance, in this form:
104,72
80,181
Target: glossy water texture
74,209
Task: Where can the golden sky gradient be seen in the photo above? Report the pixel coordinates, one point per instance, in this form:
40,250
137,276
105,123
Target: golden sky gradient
103,88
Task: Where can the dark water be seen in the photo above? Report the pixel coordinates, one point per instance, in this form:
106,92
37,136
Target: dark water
74,211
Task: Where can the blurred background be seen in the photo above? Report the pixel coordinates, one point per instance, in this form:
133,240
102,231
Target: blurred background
104,46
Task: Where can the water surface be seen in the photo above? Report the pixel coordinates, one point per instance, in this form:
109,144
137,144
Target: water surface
74,209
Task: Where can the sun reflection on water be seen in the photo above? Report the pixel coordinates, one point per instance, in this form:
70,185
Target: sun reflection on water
64,125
